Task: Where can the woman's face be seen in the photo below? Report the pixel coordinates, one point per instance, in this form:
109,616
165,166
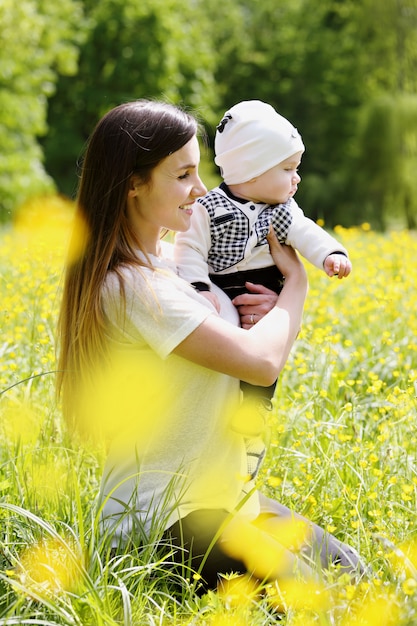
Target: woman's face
166,201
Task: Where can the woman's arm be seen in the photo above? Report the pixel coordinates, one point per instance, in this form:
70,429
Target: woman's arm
259,354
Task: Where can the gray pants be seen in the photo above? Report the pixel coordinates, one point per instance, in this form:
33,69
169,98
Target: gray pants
193,538
321,547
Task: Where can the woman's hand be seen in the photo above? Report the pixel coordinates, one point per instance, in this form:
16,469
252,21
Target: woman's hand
285,258
254,305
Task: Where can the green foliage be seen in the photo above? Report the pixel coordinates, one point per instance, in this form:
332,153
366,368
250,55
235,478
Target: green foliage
322,65
39,40
148,49
384,176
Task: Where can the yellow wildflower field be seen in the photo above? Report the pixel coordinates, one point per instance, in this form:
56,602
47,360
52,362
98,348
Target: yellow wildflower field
342,449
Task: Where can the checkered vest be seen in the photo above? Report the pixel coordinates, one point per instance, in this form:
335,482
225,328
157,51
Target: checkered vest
230,228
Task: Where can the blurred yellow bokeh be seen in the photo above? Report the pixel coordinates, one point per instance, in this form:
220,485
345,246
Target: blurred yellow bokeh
51,566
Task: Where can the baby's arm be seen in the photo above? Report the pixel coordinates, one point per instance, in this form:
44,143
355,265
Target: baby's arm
212,298
317,245
191,251
192,246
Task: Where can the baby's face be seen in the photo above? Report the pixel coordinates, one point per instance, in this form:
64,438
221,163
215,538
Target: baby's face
278,184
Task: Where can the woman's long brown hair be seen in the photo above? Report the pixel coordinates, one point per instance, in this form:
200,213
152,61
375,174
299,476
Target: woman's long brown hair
129,140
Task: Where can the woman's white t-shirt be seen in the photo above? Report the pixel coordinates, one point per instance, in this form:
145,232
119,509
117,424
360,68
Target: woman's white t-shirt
172,450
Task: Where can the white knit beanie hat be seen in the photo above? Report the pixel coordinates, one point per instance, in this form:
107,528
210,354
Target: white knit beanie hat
251,138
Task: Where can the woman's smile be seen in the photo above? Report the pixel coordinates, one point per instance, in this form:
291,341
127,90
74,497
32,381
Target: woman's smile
188,208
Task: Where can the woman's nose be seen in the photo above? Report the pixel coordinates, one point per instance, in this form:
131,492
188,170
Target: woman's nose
199,188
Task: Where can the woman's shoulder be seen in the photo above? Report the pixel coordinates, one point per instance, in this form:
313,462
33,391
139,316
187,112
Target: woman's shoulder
154,284
140,273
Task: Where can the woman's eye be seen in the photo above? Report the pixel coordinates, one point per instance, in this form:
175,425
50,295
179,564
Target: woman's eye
186,175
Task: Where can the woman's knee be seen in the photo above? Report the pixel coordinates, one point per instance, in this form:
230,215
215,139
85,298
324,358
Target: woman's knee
199,549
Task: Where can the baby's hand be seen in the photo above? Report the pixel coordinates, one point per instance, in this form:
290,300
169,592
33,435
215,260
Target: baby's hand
337,265
212,298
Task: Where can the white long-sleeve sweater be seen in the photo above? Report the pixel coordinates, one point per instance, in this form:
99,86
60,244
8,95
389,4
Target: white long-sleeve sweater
228,234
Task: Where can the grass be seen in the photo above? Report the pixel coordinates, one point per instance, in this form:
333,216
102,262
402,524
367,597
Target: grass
342,451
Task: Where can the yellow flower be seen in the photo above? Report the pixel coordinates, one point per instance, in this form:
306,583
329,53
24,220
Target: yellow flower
409,586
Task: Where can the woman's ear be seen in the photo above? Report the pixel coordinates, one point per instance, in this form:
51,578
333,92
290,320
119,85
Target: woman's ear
133,186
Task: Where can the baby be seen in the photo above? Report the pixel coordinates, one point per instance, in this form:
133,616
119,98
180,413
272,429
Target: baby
258,152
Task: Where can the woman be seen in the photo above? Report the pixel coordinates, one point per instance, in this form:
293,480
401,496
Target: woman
143,350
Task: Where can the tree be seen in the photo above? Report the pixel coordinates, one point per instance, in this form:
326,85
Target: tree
38,41
320,65
382,175
326,66
302,57
151,48
384,171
